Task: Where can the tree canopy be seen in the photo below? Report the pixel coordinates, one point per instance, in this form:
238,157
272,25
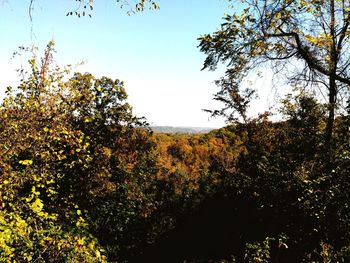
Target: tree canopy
306,42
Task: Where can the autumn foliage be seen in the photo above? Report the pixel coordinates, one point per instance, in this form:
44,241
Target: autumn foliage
84,180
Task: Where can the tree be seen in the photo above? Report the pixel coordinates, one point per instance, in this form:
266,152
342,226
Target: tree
306,42
75,167
41,155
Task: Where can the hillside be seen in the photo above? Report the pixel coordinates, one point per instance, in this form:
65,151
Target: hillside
174,129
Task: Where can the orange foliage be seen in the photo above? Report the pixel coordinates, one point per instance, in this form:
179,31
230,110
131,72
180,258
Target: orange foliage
186,160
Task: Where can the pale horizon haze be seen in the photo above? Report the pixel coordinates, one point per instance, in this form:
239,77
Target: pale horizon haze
154,52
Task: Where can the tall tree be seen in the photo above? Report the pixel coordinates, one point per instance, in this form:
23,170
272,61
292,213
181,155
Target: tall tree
306,42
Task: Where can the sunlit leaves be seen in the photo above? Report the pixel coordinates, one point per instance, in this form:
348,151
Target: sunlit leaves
41,151
26,162
306,42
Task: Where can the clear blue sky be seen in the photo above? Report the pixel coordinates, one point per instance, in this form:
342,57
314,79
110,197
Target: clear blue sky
155,53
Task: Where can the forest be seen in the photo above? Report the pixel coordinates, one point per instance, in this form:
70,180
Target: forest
83,179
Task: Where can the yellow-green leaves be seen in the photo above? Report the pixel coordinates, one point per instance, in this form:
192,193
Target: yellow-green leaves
26,162
5,182
58,136
44,154
37,206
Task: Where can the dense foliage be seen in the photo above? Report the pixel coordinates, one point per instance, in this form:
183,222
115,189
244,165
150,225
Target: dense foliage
84,180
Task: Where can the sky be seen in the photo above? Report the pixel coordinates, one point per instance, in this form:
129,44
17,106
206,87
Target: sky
155,53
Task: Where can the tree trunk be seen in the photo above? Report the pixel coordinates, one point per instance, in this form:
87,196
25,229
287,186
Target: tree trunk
332,96
331,111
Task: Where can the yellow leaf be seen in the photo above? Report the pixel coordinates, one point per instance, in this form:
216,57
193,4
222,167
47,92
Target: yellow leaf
37,206
26,162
